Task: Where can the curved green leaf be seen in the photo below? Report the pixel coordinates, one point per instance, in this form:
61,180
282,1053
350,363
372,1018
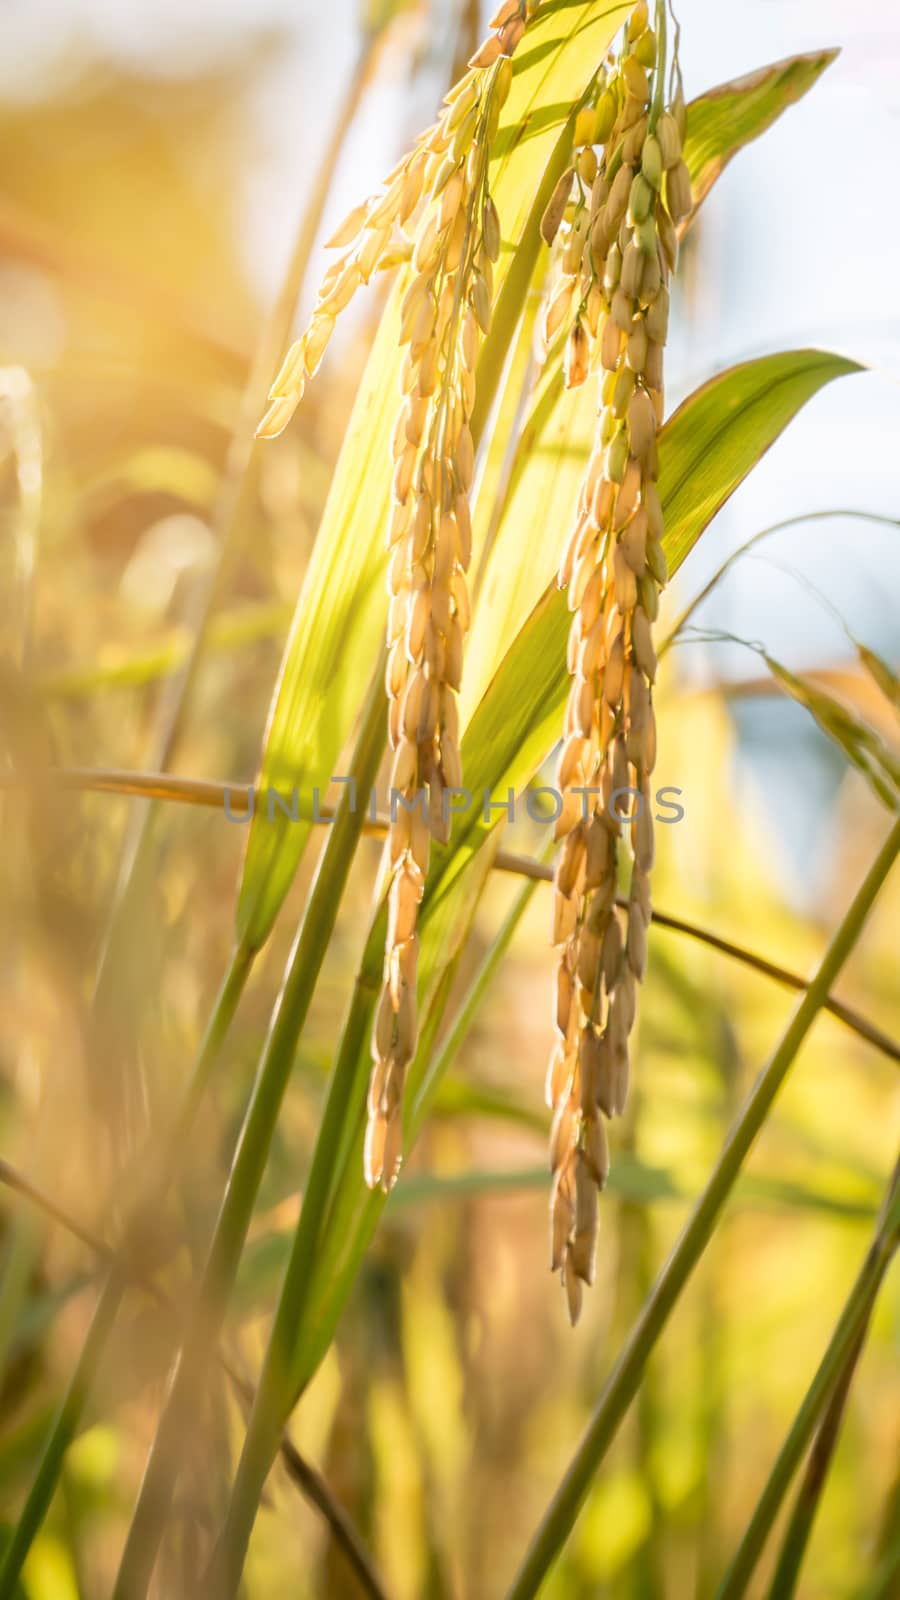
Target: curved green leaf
706,448
861,745
724,119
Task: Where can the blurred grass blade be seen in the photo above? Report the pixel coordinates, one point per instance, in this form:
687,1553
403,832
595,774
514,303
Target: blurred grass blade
21,432
336,635
882,673
850,1331
859,743
724,119
169,470
209,1306
625,1378
127,667
67,1419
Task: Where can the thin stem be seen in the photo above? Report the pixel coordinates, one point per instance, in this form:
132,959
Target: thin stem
208,1313
314,1488
764,533
17,1181
157,1181
471,1001
202,792
659,87
849,1332
625,1377
799,1529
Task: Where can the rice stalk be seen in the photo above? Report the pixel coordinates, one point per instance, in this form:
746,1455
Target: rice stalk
229,1235
437,210
843,1345
618,249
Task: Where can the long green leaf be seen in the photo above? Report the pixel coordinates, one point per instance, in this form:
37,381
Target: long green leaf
862,746
336,634
725,119
706,450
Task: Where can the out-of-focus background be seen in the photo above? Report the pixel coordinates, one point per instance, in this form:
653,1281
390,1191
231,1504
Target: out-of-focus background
157,162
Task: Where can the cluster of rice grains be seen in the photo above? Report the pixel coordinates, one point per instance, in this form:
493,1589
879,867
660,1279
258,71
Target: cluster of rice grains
435,210
616,218
446,310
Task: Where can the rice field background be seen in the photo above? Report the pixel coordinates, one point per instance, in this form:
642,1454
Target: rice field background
167,182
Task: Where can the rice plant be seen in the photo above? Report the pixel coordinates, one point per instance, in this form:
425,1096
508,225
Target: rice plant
279,1204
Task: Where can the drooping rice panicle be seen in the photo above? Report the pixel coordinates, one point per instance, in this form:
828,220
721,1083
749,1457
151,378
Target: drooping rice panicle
436,212
445,313
616,218
377,234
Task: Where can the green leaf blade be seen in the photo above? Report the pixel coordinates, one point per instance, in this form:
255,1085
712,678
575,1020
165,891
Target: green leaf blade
725,119
706,449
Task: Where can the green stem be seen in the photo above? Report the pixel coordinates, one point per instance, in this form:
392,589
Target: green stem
659,87
478,988
625,1378
848,1334
304,963
799,1529
275,1392
159,1177
65,1426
